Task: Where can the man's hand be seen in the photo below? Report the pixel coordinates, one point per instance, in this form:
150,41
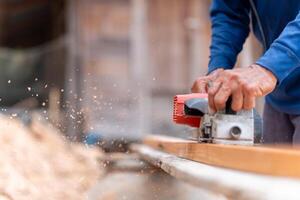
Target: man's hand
243,84
201,84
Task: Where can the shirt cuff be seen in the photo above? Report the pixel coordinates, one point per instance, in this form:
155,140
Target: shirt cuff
280,60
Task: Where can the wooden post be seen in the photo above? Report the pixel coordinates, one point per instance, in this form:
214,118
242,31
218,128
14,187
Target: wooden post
138,64
199,38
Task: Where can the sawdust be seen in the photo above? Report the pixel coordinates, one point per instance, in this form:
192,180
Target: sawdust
37,163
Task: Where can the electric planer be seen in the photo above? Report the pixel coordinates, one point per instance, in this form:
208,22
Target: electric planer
223,127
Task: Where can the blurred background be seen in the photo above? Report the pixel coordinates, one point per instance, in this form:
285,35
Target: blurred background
102,72
109,68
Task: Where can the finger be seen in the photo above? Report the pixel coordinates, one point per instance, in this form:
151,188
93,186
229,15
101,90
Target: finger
222,96
215,74
214,86
212,89
237,100
250,92
264,89
199,86
249,102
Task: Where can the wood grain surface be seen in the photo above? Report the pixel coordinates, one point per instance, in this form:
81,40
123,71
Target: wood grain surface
276,161
232,184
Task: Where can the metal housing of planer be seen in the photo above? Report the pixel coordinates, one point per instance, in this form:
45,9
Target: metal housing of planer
222,127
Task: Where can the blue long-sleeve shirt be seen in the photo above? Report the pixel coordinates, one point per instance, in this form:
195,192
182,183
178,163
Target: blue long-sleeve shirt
280,33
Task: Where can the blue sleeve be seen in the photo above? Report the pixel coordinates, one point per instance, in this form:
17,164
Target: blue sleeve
283,56
230,28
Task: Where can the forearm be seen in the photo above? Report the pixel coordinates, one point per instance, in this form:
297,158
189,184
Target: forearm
283,56
230,28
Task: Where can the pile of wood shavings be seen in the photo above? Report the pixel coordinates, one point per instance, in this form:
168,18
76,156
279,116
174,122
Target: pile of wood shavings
37,163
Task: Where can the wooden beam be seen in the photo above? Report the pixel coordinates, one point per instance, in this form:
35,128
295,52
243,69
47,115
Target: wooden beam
257,159
229,183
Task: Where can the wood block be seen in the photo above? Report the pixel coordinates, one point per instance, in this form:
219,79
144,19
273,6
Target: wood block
277,161
233,184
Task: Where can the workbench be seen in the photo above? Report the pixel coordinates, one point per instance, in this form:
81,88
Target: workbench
237,172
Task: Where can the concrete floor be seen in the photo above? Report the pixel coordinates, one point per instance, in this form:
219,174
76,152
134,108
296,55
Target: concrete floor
155,185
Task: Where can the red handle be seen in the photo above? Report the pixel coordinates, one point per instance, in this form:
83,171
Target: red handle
178,111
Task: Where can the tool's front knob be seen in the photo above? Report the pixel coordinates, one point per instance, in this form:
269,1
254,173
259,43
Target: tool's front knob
235,132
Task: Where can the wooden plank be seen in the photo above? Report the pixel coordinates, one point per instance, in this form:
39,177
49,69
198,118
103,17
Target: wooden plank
229,183
265,160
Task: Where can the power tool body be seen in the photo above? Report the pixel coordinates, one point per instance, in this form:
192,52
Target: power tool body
223,127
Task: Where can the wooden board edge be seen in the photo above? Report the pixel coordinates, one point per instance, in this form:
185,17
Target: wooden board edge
263,160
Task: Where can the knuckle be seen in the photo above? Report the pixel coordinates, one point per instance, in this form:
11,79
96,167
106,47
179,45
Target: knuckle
197,86
199,79
213,89
230,73
242,83
249,88
234,76
226,88
226,73
196,82
202,78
